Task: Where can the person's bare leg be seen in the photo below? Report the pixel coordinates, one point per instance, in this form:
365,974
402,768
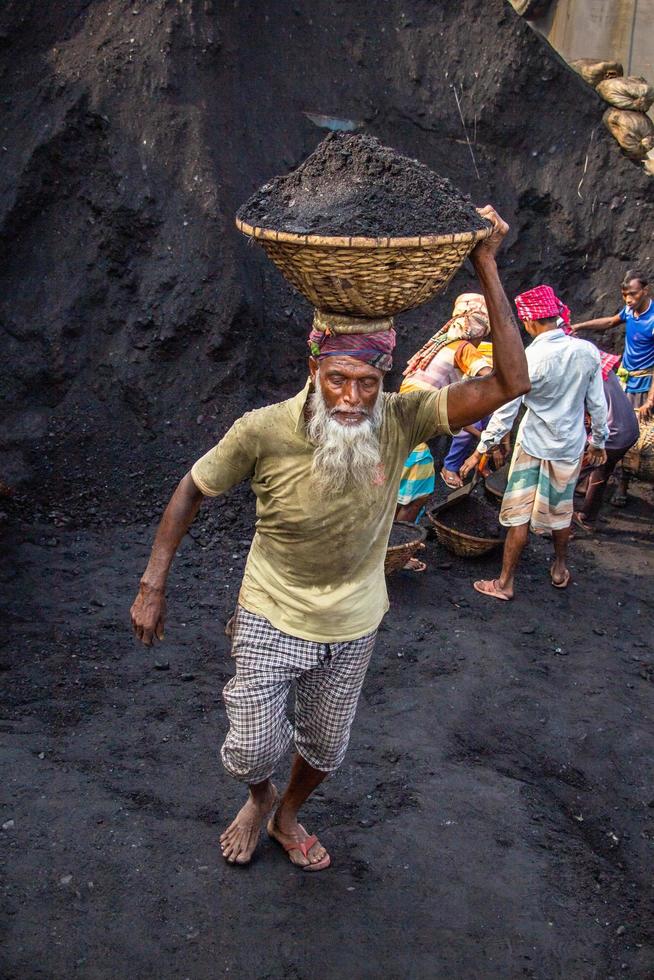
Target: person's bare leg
240,839
284,825
514,545
409,512
559,570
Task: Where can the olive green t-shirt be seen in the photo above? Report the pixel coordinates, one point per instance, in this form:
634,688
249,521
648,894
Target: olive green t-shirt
316,564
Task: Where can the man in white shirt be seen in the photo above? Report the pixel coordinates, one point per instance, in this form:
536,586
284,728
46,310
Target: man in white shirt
566,379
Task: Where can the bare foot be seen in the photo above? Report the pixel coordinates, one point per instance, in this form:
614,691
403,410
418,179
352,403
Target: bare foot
241,837
492,587
308,852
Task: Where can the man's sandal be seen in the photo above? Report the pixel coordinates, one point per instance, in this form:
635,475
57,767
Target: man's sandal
565,581
303,846
579,522
415,565
449,482
492,588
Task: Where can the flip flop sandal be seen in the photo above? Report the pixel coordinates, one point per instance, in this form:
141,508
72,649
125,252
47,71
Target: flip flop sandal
415,565
303,846
579,522
564,584
496,594
449,483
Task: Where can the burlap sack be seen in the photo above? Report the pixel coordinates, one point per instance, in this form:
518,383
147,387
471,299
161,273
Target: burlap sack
531,8
627,93
634,131
594,71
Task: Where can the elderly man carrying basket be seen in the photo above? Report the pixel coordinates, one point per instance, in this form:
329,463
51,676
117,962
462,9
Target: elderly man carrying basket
325,467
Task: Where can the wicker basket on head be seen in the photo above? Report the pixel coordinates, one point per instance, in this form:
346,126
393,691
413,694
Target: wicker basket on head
367,277
398,555
459,543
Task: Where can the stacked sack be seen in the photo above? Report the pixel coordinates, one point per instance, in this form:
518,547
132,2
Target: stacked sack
629,98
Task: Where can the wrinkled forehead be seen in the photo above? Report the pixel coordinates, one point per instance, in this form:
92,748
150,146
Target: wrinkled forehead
349,367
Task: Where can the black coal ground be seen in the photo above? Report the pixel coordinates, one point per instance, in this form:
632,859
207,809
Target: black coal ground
494,818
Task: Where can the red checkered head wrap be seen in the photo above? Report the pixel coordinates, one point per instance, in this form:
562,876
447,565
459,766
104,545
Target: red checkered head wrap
541,303
608,362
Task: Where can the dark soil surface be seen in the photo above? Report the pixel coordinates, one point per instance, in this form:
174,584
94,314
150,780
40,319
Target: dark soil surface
352,185
494,816
473,515
402,534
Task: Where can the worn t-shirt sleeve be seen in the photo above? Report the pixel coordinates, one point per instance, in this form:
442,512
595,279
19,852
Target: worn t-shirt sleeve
228,463
623,314
426,414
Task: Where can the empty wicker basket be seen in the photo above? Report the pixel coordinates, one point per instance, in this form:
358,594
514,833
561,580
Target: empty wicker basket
397,555
459,543
367,277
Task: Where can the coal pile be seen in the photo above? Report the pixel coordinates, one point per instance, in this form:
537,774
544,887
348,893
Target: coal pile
353,185
402,534
475,516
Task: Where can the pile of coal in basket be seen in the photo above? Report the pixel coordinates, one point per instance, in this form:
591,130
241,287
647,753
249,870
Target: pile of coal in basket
403,534
353,185
475,516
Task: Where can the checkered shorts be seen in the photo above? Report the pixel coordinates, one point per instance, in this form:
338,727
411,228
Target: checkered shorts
328,678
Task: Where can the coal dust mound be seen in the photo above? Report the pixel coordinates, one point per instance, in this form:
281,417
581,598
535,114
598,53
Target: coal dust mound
403,534
354,185
473,516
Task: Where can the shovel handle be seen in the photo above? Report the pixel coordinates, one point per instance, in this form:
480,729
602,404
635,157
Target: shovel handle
480,465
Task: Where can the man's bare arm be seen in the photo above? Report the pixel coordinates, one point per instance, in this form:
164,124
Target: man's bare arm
601,323
471,400
148,611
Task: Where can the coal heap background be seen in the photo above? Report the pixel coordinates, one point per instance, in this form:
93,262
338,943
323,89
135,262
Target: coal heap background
135,322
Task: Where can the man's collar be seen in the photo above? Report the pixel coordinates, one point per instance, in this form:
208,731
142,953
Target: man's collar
548,335
637,316
298,404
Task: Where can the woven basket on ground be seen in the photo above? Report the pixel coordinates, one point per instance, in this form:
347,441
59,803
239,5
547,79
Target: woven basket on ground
398,555
639,461
367,277
459,543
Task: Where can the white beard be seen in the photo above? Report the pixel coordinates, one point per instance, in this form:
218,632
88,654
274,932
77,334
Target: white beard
345,455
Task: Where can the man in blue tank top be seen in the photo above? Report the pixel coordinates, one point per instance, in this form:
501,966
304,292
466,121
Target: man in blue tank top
637,369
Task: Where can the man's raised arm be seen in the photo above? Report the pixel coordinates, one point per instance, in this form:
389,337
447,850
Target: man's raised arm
148,611
601,323
471,400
